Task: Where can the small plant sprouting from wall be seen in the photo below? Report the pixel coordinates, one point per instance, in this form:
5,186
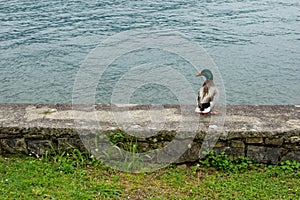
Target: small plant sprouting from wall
118,138
224,163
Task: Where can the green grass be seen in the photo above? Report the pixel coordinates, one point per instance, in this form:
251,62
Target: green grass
77,176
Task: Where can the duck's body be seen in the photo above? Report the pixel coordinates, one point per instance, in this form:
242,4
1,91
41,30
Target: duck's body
207,94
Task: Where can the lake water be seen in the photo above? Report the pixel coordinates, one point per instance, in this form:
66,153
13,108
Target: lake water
254,43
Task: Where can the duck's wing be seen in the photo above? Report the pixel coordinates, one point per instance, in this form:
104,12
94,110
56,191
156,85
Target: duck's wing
203,95
203,103
207,93
213,91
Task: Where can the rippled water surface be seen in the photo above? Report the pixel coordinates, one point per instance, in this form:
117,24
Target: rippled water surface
254,43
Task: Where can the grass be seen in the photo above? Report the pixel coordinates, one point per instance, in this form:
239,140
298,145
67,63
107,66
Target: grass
77,176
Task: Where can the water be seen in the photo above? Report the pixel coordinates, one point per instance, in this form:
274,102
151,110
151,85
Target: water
254,43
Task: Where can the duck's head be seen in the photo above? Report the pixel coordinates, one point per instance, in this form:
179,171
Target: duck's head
206,73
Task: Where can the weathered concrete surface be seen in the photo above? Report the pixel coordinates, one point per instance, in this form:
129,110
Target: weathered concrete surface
239,118
266,133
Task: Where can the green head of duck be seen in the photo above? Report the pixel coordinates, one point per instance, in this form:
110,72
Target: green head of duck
206,73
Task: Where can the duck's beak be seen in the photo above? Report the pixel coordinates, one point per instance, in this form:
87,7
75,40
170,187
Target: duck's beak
199,74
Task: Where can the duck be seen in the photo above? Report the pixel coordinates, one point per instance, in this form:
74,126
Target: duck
207,95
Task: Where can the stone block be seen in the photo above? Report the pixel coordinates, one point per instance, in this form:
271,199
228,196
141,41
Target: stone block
235,152
264,154
2,136
292,147
274,141
219,150
237,144
185,151
220,144
294,140
88,142
66,144
232,152
15,145
255,140
40,147
292,156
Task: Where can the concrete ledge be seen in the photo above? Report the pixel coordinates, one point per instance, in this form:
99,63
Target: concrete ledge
265,133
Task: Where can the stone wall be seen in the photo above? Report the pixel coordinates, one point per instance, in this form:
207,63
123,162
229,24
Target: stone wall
266,134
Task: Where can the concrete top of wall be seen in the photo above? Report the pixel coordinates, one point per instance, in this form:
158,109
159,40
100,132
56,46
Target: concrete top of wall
239,118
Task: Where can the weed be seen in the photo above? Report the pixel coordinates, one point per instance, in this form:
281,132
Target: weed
128,150
290,166
117,137
224,163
